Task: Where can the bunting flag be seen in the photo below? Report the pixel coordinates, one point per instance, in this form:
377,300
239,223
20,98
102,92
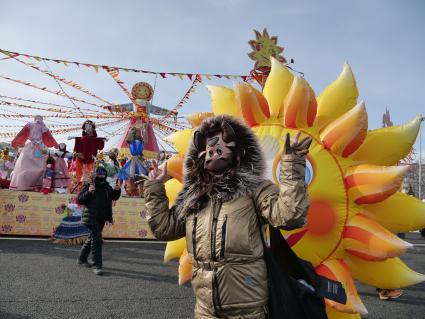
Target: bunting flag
98,116
66,130
63,80
8,57
48,125
45,89
195,82
166,123
152,109
49,103
49,109
96,67
55,110
161,126
114,75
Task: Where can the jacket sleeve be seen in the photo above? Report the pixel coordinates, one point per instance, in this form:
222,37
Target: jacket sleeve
286,205
49,140
85,196
115,194
21,137
162,221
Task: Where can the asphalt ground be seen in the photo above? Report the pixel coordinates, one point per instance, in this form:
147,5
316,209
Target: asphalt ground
39,279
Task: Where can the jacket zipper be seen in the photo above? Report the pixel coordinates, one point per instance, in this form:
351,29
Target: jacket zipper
216,212
216,295
215,292
195,222
223,237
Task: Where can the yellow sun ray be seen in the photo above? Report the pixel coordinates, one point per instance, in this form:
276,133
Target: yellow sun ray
344,135
252,105
388,274
337,269
174,249
185,268
196,119
299,106
180,140
368,184
338,98
387,146
368,240
277,86
399,213
223,100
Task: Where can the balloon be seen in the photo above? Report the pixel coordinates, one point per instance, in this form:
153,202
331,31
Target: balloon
351,174
174,249
338,98
180,140
172,187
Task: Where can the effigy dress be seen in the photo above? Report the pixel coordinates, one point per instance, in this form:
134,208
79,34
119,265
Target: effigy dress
134,166
31,164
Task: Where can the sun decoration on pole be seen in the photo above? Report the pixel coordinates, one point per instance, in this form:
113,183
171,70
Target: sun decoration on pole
264,47
352,176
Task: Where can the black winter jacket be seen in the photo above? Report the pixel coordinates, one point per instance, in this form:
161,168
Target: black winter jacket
98,204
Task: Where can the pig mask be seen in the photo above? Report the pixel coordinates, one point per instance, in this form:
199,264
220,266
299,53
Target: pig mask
218,148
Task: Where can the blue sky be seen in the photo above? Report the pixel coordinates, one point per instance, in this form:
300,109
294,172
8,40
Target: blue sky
382,40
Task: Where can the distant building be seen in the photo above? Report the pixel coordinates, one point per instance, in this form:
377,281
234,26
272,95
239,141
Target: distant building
411,181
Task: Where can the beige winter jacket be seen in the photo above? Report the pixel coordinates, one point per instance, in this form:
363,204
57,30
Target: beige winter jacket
223,237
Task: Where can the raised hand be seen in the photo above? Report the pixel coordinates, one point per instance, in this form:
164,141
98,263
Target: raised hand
91,188
297,147
159,173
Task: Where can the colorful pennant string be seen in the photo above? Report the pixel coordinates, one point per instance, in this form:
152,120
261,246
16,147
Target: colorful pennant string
96,67
63,80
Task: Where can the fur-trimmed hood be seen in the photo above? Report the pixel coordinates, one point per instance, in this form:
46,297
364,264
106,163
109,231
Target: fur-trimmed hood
242,180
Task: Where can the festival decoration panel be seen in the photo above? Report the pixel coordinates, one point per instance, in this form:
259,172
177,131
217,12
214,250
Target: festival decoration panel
37,214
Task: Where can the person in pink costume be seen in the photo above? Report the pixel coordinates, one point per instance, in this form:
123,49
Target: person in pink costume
31,164
61,177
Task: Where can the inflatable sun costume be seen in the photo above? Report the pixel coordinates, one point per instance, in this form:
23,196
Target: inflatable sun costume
352,174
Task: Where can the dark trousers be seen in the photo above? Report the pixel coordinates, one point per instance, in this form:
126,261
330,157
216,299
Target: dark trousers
93,243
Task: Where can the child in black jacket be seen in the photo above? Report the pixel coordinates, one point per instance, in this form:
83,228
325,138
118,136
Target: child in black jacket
97,198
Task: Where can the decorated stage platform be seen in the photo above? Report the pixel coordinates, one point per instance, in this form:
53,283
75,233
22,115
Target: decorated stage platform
36,214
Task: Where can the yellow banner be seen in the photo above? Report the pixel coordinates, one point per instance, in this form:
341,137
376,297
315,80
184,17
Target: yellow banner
36,214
